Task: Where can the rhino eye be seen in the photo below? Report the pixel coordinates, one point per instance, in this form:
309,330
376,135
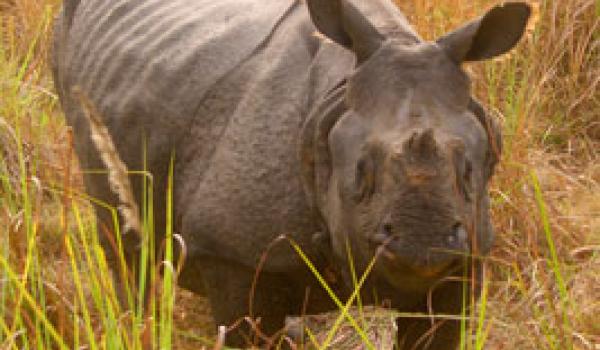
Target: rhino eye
364,178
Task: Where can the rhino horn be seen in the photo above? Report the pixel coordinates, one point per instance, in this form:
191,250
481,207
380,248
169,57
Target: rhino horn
419,156
421,145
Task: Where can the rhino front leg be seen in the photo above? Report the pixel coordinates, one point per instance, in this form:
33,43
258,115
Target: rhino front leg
229,289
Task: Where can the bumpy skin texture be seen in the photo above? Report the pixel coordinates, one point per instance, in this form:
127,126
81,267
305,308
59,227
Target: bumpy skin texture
277,131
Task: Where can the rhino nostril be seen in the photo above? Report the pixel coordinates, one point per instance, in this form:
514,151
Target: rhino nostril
387,229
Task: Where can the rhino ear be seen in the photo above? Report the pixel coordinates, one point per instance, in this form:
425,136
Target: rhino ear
494,134
498,31
341,22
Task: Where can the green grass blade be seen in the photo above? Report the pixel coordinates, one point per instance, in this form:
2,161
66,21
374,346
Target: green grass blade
343,308
168,291
73,259
349,303
481,334
554,261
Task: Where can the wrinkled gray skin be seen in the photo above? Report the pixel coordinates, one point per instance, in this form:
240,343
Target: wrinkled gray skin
365,135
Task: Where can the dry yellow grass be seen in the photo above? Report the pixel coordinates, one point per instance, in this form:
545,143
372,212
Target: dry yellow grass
547,93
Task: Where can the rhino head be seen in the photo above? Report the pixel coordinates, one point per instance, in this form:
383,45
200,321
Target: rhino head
401,153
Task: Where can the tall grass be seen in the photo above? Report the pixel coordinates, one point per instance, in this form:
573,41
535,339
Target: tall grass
541,285
56,290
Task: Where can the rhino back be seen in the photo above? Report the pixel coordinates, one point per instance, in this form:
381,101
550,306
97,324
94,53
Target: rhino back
162,53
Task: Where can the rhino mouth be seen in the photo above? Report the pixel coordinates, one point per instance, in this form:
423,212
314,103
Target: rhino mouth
430,262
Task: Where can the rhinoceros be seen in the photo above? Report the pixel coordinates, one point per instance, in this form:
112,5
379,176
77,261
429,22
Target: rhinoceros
328,121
